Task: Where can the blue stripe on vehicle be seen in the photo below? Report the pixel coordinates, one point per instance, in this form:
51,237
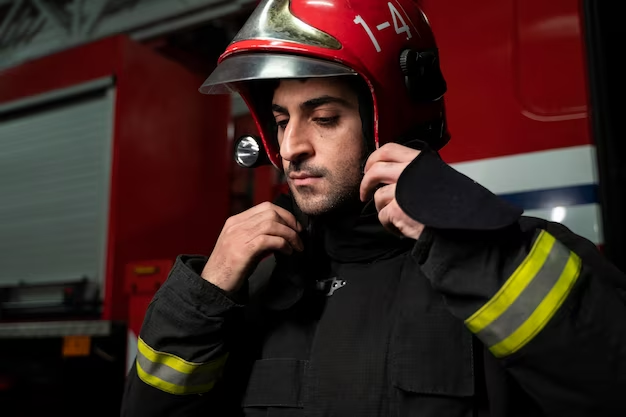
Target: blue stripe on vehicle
554,197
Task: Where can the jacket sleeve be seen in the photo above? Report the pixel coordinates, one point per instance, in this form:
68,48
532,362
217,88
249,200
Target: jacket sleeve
190,354
542,300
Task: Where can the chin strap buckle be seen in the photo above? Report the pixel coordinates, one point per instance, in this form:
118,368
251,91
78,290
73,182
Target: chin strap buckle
329,286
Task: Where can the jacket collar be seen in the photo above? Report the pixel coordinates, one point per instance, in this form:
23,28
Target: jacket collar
353,234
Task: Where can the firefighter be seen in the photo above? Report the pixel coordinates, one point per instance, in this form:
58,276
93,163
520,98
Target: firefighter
385,283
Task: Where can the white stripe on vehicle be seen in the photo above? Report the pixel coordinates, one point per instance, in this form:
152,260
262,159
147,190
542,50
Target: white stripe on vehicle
584,220
533,171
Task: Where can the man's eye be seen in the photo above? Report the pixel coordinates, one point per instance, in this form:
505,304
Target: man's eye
282,124
327,121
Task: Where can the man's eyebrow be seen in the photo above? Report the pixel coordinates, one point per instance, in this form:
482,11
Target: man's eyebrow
320,101
279,109
314,103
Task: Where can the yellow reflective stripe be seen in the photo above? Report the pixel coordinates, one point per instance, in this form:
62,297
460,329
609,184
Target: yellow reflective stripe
174,375
544,312
514,286
172,388
175,362
528,299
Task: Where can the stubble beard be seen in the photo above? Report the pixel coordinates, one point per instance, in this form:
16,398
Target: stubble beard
341,190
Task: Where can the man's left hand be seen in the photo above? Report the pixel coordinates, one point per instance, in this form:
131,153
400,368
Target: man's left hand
385,166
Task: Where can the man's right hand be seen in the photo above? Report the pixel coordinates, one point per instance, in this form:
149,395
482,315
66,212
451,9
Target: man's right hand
246,239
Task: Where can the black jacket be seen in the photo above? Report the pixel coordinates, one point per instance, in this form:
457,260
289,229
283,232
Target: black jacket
488,314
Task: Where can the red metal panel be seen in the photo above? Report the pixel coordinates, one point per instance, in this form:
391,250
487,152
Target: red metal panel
75,66
169,186
549,59
264,184
170,178
515,74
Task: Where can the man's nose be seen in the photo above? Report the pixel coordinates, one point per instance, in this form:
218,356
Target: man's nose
296,145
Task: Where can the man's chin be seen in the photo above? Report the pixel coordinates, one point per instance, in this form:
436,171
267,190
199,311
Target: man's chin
312,204
318,205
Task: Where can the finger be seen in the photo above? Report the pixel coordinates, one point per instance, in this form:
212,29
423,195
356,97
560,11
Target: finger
391,152
267,243
288,218
386,219
380,173
395,220
274,228
267,207
255,210
279,216
383,196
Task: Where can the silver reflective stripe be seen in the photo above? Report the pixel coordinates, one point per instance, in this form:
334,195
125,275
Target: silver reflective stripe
203,376
523,307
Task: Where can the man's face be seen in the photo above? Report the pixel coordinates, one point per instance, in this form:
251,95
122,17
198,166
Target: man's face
321,142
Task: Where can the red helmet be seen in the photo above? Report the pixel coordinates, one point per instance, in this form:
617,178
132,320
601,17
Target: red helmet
388,43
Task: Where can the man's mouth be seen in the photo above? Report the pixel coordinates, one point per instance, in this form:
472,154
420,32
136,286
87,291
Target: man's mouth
303,178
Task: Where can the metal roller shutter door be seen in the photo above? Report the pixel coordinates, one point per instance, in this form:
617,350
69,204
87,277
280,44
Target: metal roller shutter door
54,188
